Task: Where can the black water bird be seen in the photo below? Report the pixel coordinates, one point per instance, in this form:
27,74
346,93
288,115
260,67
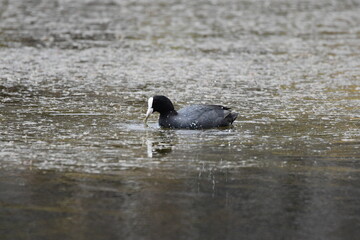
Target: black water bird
190,117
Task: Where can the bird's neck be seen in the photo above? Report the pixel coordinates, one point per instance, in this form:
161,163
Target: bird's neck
167,114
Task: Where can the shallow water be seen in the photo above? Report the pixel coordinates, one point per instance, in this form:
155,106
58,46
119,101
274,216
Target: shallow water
77,162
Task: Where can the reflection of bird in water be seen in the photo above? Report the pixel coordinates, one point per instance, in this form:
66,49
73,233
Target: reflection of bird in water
191,117
160,148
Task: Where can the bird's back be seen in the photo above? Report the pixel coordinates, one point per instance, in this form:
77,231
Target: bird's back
199,117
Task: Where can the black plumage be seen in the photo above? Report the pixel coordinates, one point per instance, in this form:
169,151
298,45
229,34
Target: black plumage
191,117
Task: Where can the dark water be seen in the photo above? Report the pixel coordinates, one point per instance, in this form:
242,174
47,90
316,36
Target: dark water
76,161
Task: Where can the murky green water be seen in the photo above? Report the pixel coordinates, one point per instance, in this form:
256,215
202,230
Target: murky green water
76,161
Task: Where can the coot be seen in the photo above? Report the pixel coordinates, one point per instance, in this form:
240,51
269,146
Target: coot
191,117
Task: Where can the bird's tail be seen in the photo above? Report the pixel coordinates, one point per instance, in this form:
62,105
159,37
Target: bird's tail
231,117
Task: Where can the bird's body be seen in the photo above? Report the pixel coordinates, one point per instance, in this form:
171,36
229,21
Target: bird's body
190,117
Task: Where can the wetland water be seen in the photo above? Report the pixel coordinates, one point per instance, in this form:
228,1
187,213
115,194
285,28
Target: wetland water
76,161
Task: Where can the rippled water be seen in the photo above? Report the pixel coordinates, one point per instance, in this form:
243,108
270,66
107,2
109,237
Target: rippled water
76,161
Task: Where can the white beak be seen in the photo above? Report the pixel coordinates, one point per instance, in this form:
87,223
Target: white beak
148,113
150,109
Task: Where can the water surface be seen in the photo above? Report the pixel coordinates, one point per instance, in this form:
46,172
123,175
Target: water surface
76,161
